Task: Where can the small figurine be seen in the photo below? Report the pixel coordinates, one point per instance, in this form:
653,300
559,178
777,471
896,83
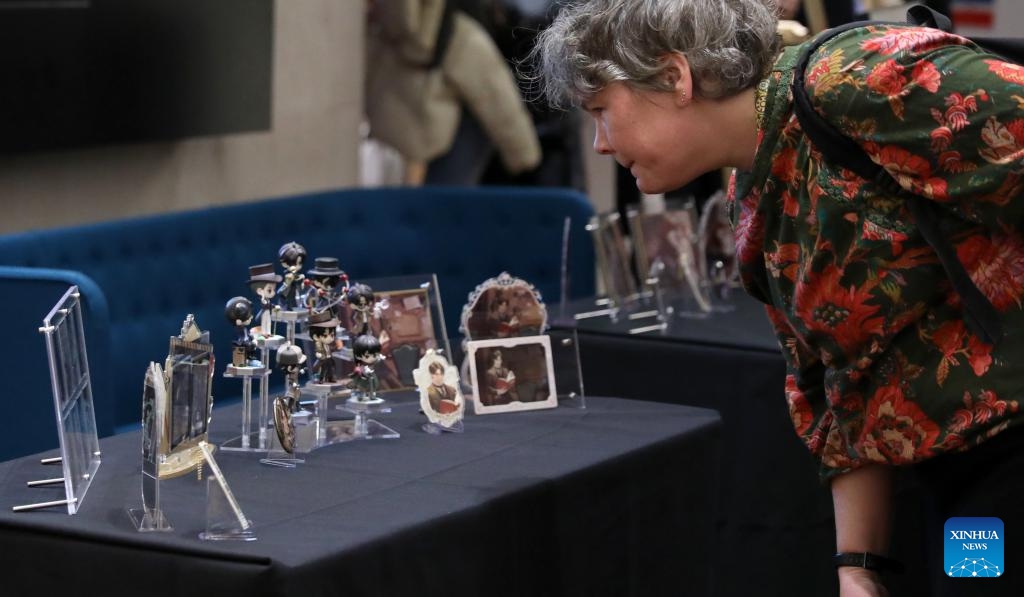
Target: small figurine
324,281
323,331
361,299
263,281
292,257
238,311
290,360
366,351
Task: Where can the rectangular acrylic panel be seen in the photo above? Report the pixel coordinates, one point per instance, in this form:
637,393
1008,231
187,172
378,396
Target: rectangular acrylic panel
72,396
414,321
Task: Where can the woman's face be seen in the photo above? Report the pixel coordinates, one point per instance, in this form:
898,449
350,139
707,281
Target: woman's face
649,133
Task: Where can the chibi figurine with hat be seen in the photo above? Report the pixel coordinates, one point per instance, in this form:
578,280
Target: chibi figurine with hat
263,281
290,360
366,351
292,257
238,312
323,326
327,283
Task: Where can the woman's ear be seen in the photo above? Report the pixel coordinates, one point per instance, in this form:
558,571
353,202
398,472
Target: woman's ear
677,74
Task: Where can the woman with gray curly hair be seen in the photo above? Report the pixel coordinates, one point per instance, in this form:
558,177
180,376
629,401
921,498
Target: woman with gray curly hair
889,367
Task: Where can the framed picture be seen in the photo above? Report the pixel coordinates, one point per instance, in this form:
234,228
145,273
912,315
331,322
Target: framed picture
440,394
666,248
718,243
613,257
408,323
503,307
512,374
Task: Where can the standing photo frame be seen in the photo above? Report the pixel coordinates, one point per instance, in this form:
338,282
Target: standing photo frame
512,374
503,307
408,323
613,257
668,254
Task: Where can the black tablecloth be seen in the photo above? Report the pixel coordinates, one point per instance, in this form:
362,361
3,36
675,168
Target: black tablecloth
611,500
774,516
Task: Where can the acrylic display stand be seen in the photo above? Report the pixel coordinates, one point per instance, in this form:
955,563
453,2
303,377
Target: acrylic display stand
224,518
435,429
565,356
250,440
73,404
361,426
150,517
305,441
263,410
291,320
327,432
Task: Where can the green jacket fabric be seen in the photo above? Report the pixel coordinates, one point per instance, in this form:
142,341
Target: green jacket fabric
880,365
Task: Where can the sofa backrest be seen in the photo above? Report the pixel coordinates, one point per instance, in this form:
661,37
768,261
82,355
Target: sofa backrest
155,270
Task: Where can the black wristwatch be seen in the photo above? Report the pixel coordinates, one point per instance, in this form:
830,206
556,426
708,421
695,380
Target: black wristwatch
871,561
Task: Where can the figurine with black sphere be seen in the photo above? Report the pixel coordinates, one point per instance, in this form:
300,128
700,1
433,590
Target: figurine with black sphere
290,361
245,352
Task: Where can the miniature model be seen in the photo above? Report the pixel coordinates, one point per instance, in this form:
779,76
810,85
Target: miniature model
292,257
499,382
442,397
326,283
263,281
244,353
366,351
323,331
290,360
362,301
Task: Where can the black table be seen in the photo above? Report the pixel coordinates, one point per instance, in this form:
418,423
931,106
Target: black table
774,516
611,500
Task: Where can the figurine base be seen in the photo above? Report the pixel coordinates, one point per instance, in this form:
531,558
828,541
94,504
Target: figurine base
149,521
436,429
337,432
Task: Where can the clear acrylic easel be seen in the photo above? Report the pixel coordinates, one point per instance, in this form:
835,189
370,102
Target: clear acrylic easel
73,404
224,517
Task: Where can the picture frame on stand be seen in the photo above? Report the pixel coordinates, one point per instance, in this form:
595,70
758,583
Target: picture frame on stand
512,374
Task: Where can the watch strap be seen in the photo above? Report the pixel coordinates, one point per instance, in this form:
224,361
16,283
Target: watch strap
864,559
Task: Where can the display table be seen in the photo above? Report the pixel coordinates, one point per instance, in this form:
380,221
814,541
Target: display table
612,500
771,502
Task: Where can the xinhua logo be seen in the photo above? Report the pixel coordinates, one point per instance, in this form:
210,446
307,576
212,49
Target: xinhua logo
973,548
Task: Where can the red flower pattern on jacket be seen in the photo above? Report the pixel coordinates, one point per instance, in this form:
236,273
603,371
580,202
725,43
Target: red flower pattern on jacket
859,299
896,430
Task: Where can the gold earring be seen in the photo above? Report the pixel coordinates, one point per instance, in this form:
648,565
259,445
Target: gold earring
682,96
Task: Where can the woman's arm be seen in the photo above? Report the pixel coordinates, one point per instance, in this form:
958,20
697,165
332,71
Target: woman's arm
862,500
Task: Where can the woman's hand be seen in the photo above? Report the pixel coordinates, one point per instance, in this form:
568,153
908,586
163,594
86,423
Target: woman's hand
860,582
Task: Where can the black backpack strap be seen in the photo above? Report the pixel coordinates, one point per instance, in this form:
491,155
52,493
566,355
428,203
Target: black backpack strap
444,34
980,315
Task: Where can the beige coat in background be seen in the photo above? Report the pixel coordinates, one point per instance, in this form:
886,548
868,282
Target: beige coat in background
416,109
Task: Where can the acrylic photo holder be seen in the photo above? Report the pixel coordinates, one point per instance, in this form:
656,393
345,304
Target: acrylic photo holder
614,268
409,322
512,374
565,356
224,517
73,403
150,517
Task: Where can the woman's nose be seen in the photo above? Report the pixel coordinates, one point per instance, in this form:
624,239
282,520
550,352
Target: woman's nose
601,144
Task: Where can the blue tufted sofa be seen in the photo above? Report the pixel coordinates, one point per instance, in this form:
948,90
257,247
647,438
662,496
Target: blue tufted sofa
139,277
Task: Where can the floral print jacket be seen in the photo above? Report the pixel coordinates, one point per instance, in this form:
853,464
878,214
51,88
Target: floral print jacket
880,365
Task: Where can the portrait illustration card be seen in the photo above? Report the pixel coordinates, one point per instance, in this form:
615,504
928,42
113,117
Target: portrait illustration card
440,394
512,374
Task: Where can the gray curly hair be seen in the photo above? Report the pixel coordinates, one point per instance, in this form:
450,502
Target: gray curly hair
730,44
